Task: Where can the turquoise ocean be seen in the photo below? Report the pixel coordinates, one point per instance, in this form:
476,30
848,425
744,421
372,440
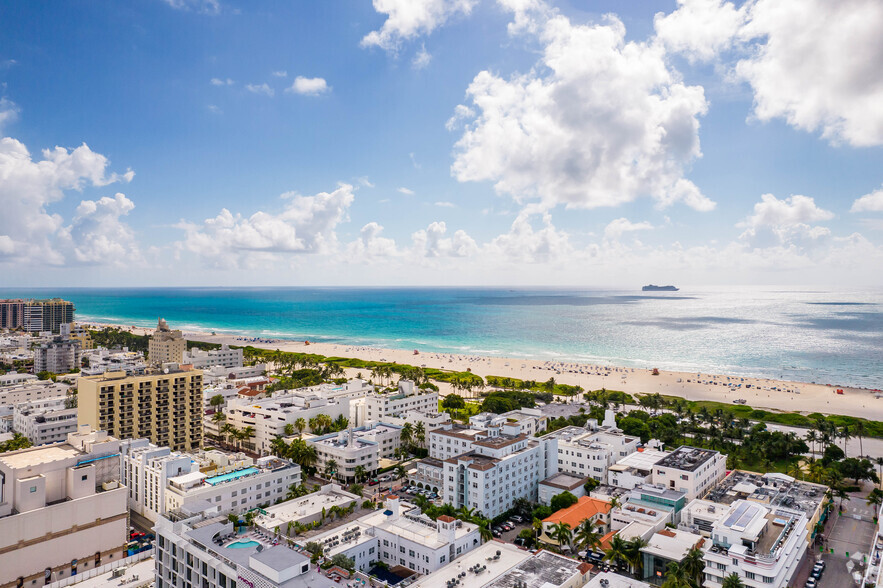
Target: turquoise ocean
804,335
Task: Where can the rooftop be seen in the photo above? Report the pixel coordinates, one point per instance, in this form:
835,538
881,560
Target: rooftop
509,556
772,490
640,460
543,569
34,456
564,481
500,441
584,508
611,580
479,462
567,433
306,506
672,544
687,459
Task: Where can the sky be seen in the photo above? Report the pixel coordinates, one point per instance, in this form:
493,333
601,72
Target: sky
592,143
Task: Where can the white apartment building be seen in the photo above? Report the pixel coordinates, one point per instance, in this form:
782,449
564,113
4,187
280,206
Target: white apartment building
430,419
223,357
59,356
634,469
497,470
762,545
590,453
699,516
218,375
269,416
196,552
690,470
62,510
161,481
45,421
31,389
404,537
361,446
378,407
106,360
16,378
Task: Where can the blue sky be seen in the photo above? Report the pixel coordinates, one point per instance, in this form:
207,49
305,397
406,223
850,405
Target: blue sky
441,142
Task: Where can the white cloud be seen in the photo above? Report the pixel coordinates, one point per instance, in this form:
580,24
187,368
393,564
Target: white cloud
98,235
819,68
407,19
414,161
600,122
405,191
203,6
309,86
618,227
445,204
306,225
364,181
260,89
27,227
523,244
872,202
280,74
214,109
434,242
220,82
371,245
421,58
813,63
700,29
8,112
785,222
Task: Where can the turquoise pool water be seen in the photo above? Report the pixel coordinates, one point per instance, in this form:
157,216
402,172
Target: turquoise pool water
243,544
231,476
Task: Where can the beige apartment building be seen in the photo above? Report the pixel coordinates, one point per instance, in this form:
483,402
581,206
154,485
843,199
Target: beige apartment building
166,345
164,407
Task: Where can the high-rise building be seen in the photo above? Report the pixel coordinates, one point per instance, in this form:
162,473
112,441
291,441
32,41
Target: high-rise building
59,357
12,313
164,407
36,315
166,345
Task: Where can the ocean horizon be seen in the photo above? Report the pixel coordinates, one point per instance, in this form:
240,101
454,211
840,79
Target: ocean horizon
808,335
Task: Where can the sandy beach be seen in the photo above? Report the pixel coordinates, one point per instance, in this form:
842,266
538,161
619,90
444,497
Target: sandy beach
757,392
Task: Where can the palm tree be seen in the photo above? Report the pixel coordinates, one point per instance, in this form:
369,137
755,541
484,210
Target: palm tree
330,468
400,471
846,435
562,534
216,401
360,473
289,430
537,525
676,577
227,430
484,528
618,551
875,498
407,433
694,566
587,537
733,581
811,438
859,430
300,424
247,433
279,447
635,556
420,433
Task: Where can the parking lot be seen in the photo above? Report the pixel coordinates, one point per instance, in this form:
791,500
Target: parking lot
846,535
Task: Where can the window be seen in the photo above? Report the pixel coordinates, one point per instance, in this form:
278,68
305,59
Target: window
750,575
85,477
33,488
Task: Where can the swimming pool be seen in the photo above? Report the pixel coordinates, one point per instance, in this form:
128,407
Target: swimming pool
243,544
231,476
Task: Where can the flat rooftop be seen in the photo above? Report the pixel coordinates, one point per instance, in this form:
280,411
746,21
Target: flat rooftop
479,462
544,568
567,433
34,456
564,481
687,459
611,580
672,544
500,441
305,506
510,556
772,490
639,460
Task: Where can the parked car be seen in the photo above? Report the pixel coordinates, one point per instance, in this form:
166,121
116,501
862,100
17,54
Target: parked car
518,518
811,583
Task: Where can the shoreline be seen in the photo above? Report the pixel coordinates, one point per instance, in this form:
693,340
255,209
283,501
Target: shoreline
759,393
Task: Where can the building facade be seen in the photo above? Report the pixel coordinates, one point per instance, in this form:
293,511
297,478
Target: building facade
62,510
223,357
691,470
356,447
165,408
590,453
45,421
166,345
59,357
408,398
161,481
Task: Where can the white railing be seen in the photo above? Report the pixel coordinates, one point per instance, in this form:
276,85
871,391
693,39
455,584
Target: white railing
108,568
